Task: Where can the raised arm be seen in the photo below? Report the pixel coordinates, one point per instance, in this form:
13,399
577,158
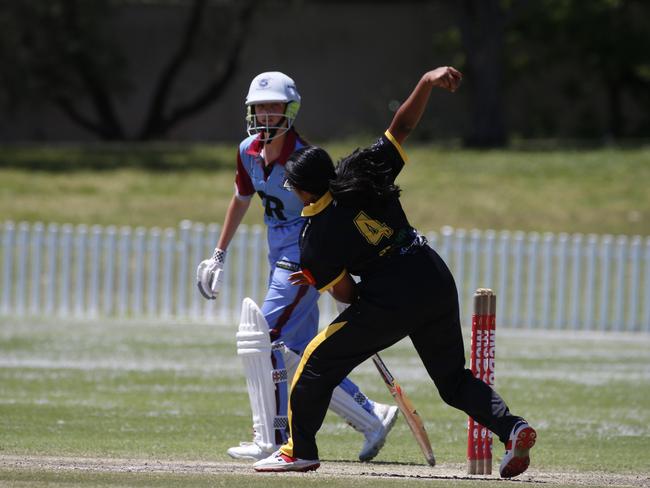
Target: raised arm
409,114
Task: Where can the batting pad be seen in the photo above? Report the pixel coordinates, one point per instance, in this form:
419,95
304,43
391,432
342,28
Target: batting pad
291,360
350,408
254,347
348,405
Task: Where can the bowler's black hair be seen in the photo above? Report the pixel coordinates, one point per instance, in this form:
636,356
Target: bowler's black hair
363,178
310,169
359,179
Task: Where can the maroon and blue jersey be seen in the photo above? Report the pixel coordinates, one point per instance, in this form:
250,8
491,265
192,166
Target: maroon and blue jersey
281,206
290,311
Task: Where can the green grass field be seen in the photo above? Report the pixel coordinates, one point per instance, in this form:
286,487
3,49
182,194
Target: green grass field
79,398
121,404
600,191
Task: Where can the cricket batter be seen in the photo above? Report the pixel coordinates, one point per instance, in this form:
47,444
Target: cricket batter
272,338
357,226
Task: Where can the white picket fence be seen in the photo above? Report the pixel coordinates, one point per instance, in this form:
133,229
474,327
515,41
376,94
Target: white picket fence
549,281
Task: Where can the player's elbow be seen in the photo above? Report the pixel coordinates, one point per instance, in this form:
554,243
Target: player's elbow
345,290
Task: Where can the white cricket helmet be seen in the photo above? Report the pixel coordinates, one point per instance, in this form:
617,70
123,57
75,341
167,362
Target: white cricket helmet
269,87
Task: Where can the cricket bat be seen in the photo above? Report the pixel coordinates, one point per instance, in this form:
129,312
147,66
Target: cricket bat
408,410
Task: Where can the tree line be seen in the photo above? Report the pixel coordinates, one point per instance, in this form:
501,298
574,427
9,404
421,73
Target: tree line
66,53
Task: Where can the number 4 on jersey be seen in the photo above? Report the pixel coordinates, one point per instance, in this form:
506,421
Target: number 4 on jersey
372,229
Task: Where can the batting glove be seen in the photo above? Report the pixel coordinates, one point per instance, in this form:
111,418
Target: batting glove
209,274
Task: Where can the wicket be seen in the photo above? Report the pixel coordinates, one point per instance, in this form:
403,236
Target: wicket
483,342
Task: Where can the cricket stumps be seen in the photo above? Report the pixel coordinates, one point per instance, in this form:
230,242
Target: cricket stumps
483,342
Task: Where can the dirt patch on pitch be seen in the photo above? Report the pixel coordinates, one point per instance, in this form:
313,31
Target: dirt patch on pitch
336,469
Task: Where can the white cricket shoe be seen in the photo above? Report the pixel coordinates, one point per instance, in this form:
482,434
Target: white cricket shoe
375,439
249,450
516,460
279,461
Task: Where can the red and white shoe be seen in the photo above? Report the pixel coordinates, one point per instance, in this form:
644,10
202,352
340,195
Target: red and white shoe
516,460
279,461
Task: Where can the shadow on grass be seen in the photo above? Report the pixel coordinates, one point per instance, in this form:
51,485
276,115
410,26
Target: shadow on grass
109,157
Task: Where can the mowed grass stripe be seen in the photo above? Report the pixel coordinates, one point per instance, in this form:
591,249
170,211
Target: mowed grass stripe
183,396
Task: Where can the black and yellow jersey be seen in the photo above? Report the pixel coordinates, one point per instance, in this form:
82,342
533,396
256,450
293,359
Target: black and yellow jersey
362,239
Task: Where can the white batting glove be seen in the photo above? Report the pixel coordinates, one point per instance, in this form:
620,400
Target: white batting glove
209,274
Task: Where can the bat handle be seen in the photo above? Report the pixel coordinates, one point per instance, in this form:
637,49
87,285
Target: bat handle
383,369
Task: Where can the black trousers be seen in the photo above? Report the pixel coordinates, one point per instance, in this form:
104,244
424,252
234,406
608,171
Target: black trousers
416,298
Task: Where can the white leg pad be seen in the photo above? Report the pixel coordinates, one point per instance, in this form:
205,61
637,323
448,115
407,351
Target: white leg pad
352,412
291,360
340,306
254,347
342,403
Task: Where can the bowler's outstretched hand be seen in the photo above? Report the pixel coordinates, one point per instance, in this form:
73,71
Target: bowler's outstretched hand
445,77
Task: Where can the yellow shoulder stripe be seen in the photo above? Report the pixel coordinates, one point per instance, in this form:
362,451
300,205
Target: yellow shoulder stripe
333,282
318,206
397,145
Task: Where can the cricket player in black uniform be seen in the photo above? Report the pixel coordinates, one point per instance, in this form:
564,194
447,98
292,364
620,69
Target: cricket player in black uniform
356,226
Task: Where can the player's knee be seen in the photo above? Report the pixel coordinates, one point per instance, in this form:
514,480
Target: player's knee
450,387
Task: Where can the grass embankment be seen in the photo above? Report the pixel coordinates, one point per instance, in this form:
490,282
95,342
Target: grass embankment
600,190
